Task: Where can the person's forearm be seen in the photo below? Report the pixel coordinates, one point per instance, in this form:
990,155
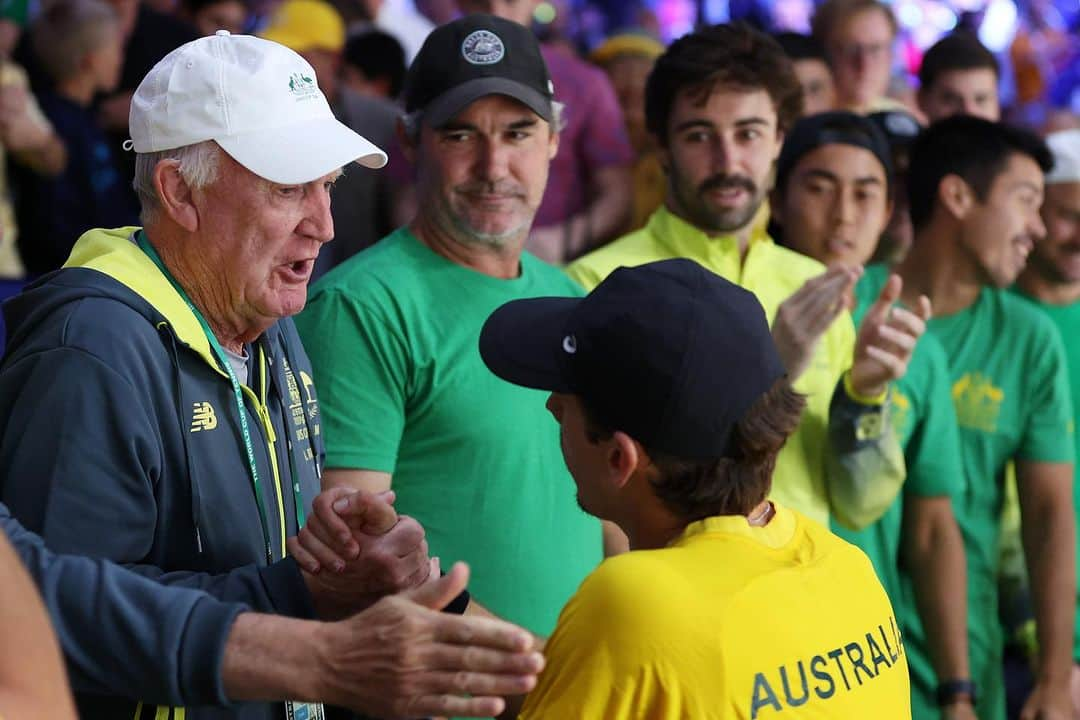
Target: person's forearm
1050,548
864,462
32,678
939,578
270,657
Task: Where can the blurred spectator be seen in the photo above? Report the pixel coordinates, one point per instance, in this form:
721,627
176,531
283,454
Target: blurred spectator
589,192
975,188
900,129
374,64
315,30
812,67
1052,280
401,19
439,12
27,138
209,16
628,58
148,36
959,75
858,37
78,44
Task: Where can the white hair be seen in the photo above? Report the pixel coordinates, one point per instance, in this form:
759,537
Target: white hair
197,164
412,120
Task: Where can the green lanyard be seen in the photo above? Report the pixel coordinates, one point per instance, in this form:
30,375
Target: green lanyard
238,393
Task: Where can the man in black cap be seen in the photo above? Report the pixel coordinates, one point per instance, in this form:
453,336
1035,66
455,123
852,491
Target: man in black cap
673,404
392,334
832,198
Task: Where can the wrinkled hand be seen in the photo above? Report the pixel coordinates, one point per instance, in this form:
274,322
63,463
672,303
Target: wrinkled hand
886,340
961,710
401,658
340,518
804,317
1048,702
20,131
386,553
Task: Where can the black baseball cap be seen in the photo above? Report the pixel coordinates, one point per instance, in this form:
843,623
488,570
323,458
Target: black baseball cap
472,57
668,352
829,128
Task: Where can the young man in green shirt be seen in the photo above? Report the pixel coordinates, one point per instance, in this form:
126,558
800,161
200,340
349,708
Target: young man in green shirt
975,189
833,197
393,333
719,102
1052,281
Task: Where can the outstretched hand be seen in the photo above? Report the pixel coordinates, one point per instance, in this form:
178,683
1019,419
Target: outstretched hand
402,658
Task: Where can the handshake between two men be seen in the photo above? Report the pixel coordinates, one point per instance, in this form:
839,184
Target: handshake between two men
400,655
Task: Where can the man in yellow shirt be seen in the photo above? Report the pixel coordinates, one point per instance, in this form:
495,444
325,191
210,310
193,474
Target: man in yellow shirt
719,101
673,403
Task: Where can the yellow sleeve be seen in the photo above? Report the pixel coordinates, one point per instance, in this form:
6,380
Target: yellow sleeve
584,275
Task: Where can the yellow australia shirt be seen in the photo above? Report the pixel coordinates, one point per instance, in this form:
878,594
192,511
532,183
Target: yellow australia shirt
773,274
729,621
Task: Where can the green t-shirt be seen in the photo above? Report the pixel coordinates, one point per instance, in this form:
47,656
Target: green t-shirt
393,338
923,417
1011,396
1067,320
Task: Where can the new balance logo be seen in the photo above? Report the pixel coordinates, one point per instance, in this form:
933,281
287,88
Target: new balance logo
203,417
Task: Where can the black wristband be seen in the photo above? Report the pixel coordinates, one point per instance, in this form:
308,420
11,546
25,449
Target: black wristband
949,690
457,605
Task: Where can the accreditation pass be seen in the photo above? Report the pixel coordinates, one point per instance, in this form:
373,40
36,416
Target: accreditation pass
304,711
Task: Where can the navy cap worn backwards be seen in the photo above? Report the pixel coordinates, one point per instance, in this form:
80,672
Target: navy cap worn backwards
668,352
839,127
472,57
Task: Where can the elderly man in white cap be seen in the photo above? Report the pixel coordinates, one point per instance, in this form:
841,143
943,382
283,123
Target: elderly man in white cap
1052,280
158,408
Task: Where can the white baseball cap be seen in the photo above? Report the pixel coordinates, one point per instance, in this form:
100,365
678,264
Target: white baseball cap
258,100
1065,145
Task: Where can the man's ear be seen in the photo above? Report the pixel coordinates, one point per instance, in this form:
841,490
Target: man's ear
175,195
625,457
553,142
663,156
955,196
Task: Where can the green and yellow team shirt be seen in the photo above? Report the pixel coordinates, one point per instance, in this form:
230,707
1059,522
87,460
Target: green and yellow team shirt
728,621
1067,320
773,274
924,420
1010,391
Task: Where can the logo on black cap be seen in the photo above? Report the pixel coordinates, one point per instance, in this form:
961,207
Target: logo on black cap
483,47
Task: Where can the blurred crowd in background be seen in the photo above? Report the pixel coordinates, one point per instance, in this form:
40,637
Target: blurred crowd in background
69,69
